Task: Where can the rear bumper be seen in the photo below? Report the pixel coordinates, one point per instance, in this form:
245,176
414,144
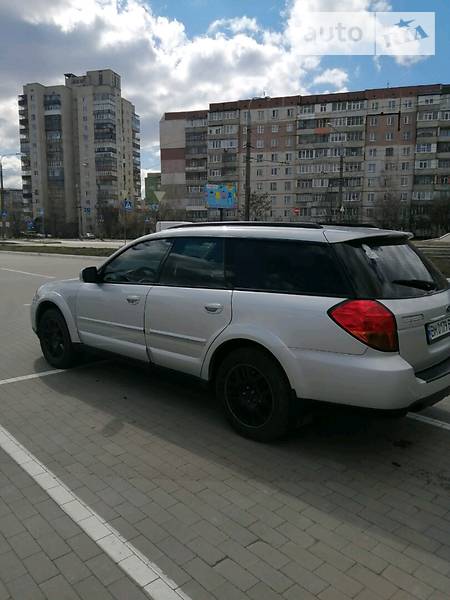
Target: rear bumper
372,380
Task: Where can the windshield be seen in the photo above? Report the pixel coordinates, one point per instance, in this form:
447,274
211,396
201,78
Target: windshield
389,269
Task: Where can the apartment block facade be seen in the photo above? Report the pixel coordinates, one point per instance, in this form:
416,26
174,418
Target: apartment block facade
370,156
80,151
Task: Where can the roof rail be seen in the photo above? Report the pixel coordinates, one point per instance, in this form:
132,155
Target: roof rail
248,224
346,224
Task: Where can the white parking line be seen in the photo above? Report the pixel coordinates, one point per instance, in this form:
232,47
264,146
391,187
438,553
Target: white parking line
32,376
27,273
429,421
146,574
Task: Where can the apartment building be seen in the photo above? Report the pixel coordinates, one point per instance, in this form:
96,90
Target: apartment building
376,155
80,151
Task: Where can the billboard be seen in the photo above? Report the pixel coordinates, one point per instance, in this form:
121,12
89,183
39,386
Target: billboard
222,195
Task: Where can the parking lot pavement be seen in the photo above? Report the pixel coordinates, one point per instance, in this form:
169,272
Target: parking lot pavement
348,507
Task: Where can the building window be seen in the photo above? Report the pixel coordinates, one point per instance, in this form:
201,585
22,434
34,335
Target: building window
288,170
323,108
259,157
290,112
406,120
260,129
372,152
392,103
289,141
372,136
390,120
274,157
260,143
371,181
406,151
273,142
371,197
374,105
289,127
406,135
389,136
372,167
259,172
287,186
407,103
274,128
275,113
273,186
288,155
405,166
424,164
274,171
259,186
423,148
373,121
389,152
403,180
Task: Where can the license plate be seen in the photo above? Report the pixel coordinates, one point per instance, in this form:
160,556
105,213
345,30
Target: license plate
438,330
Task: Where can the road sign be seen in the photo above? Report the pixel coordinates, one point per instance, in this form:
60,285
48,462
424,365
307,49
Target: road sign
146,220
154,207
296,211
159,195
4,214
127,205
41,211
220,195
87,210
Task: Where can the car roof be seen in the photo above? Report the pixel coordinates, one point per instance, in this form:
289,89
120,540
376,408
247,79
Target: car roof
287,231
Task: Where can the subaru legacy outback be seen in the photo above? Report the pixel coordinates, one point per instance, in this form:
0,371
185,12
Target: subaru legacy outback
274,316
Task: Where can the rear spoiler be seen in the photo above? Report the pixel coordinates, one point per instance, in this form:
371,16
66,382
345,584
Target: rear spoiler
382,235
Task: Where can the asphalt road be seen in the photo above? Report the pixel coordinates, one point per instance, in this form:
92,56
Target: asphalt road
348,507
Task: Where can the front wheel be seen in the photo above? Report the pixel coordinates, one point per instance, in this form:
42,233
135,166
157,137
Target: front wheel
255,394
55,341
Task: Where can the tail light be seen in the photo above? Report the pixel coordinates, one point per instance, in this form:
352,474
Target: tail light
369,322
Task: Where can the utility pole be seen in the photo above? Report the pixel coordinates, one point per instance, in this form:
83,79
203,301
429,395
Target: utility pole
247,166
341,183
248,158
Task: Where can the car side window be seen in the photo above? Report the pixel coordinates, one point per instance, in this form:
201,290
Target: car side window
291,267
139,264
195,262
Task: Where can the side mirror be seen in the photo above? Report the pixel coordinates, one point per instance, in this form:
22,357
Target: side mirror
89,275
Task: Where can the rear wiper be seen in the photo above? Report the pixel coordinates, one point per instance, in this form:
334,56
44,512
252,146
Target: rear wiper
421,284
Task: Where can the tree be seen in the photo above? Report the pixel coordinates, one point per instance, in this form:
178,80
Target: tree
260,205
440,215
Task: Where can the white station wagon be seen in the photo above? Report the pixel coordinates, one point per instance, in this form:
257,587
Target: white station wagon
275,316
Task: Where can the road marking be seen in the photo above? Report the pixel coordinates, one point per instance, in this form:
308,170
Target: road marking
27,273
32,376
429,421
27,304
146,574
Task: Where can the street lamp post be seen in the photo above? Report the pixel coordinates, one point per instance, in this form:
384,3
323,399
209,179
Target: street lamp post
248,157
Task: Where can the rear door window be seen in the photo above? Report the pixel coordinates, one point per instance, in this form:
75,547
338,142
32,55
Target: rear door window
290,267
195,262
389,269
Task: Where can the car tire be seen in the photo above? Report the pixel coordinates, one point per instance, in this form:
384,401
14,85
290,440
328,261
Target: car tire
255,394
54,337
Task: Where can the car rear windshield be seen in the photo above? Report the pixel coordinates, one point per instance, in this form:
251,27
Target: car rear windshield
389,268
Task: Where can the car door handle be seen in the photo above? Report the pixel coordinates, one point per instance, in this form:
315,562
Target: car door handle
214,308
133,299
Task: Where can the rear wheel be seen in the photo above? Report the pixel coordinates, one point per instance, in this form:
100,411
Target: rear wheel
54,337
255,394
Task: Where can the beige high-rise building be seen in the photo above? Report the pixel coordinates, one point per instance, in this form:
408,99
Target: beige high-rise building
80,153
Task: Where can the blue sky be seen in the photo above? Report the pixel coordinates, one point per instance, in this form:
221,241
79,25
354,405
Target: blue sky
172,57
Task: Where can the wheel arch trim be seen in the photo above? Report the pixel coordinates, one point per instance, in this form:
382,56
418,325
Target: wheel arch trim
59,302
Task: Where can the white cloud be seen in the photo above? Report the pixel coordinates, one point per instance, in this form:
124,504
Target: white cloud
236,25
337,77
